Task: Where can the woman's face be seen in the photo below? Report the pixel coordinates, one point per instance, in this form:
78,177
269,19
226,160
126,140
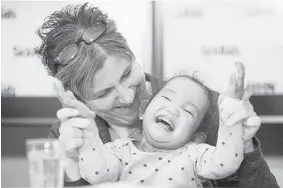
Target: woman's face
174,113
119,88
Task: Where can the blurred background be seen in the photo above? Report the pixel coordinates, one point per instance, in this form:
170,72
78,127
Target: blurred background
167,37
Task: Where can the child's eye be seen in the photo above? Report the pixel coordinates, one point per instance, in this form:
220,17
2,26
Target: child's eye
166,98
189,112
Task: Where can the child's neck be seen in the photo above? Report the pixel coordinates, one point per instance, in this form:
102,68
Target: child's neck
145,146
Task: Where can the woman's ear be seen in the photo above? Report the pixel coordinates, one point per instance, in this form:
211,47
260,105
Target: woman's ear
143,108
199,137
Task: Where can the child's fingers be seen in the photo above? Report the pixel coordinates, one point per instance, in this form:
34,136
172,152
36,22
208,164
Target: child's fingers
59,89
230,92
240,79
74,102
241,71
83,109
68,100
63,96
71,94
236,83
233,81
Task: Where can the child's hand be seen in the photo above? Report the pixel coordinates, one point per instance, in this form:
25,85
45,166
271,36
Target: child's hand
233,109
236,84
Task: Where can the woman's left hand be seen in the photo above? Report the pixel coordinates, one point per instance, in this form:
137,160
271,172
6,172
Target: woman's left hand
252,124
236,88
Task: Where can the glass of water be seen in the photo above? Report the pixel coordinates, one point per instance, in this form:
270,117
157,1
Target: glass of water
46,167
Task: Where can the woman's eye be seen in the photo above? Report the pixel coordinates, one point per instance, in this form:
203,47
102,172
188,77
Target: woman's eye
127,74
101,96
104,94
166,98
189,112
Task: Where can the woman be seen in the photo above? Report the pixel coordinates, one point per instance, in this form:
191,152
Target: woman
83,49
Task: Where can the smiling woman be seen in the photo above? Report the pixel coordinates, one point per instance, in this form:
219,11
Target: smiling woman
83,49
93,60
116,99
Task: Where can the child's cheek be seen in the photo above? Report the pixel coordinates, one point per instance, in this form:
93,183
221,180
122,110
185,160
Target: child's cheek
188,123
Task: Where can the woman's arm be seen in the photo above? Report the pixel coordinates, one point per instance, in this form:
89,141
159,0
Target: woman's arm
254,171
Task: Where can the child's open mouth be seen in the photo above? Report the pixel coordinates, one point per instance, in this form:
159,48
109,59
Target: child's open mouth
165,123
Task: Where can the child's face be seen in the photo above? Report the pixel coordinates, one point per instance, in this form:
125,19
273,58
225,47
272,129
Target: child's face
175,113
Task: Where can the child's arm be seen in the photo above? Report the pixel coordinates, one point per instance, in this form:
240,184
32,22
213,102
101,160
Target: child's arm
100,163
224,159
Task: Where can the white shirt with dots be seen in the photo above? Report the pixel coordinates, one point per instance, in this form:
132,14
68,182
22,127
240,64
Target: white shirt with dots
185,167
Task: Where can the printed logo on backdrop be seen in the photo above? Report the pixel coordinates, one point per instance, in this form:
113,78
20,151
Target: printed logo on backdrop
232,50
211,37
24,51
7,14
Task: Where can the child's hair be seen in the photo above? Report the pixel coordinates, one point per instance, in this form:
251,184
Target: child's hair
204,125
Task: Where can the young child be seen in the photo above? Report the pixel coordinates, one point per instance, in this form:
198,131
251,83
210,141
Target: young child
164,154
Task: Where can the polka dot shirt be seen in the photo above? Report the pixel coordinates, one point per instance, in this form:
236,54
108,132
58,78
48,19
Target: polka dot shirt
186,167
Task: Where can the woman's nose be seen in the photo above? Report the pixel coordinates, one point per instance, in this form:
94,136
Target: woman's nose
173,111
127,95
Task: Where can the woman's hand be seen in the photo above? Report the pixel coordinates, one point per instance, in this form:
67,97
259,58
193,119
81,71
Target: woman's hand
252,124
77,128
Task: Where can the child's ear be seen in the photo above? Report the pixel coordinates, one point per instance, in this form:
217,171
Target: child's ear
199,137
143,108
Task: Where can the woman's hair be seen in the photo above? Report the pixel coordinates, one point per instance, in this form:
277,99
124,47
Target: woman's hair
66,27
